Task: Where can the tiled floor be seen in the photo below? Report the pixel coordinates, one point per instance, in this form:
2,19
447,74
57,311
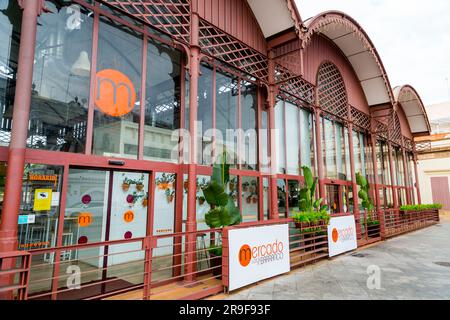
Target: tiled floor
407,271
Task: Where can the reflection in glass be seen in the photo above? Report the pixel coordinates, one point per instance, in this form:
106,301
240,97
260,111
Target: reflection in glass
292,139
116,117
10,23
226,116
250,196
162,105
205,115
279,131
281,190
61,78
249,140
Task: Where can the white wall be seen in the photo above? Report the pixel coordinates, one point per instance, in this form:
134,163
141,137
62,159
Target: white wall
431,168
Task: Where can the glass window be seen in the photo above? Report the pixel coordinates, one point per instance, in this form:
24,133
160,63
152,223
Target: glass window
279,131
329,149
264,135
249,107
117,99
2,186
307,139
39,209
347,154
250,196
363,153
266,200
10,22
340,152
281,190
357,152
226,116
61,78
292,139
205,115
294,190
162,103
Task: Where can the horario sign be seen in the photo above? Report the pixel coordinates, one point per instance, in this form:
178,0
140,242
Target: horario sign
256,253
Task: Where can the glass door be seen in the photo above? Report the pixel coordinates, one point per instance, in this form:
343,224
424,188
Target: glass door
105,205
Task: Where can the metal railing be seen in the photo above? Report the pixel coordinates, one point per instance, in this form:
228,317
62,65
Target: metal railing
397,222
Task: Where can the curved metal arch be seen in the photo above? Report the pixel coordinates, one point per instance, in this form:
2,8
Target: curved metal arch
354,42
407,98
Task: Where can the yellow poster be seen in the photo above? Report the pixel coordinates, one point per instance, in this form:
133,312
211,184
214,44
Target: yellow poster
42,199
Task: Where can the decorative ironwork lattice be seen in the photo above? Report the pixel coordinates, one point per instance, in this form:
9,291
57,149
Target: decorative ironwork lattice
360,119
171,16
294,85
224,47
408,143
331,93
380,129
395,129
423,146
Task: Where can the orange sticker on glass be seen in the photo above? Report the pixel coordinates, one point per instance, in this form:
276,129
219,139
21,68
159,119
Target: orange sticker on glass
115,93
128,216
85,219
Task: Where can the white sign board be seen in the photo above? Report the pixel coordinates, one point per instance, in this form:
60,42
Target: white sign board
257,253
341,235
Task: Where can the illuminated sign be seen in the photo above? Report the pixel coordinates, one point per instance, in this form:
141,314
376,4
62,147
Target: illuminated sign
115,93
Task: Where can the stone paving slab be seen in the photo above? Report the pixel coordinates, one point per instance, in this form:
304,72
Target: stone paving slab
407,271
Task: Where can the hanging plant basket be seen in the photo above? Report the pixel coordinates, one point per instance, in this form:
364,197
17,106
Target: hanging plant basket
139,186
125,186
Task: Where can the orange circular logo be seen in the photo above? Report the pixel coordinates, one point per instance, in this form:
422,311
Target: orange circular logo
85,219
115,93
128,216
335,235
245,255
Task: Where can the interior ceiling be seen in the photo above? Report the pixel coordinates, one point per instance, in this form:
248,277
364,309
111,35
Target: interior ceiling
362,60
273,15
413,108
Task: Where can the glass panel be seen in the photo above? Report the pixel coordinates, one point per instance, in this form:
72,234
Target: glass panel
39,209
226,116
264,134
386,164
205,115
294,189
266,199
163,224
332,198
281,188
307,142
61,78
162,103
10,23
347,154
357,152
340,152
2,186
279,131
249,107
250,196
329,149
363,154
202,206
292,139
116,117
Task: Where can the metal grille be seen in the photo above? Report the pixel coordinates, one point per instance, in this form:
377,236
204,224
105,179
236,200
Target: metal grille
408,143
298,88
360,119
395,129
171,16
224,47
331,93
380,129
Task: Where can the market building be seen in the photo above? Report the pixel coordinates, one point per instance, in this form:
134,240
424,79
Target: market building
104,148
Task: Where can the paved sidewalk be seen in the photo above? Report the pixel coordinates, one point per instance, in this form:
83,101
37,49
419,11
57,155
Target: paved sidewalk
407,264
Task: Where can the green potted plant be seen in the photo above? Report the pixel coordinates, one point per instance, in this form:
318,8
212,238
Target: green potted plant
367,204
311,209
223,210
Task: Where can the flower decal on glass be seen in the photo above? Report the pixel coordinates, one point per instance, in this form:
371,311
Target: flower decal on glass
86,199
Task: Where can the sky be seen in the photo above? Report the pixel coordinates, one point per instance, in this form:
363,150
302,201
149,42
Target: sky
412,38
